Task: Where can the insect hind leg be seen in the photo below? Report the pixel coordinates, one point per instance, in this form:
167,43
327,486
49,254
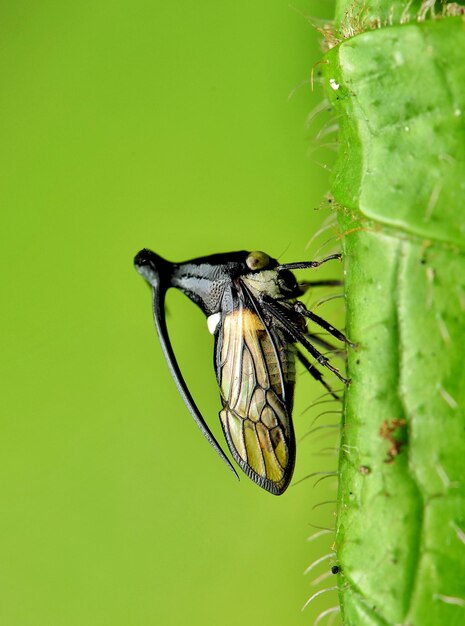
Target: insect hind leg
315,372
276,310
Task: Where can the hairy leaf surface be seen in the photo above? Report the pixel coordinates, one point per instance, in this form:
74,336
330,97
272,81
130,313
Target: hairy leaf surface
399,95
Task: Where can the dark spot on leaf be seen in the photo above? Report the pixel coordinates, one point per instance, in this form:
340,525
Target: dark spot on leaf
395,432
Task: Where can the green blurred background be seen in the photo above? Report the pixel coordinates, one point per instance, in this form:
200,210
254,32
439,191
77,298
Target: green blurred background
162,125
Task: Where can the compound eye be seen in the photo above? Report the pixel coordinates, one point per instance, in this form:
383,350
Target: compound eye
257,260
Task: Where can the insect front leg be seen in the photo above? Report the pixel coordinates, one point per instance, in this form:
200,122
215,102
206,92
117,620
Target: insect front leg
309,264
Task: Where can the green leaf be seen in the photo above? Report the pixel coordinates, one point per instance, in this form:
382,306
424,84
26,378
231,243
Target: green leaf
399,95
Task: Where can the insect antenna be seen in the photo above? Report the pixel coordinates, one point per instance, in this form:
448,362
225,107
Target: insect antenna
283,251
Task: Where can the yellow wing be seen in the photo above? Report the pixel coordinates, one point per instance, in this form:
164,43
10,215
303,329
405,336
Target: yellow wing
253,363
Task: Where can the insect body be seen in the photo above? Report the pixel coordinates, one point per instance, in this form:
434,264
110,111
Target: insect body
250,303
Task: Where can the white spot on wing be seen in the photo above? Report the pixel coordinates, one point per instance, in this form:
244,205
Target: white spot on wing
333,84
213,321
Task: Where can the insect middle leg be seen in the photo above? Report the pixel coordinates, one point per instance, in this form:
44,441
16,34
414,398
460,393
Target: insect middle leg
319,283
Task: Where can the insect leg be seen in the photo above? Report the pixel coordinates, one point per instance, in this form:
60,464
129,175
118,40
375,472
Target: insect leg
300,307
315,338
281,315
308,264
317,375
319,283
